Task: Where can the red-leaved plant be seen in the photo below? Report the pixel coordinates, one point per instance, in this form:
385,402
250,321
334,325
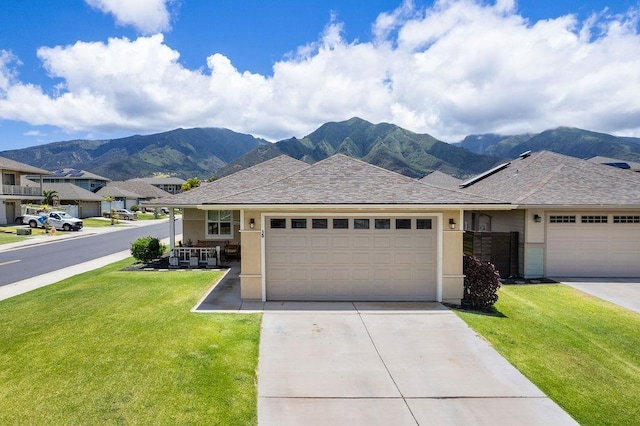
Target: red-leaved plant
481,284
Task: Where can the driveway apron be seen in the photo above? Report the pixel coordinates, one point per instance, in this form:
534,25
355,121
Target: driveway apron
623,292
382,364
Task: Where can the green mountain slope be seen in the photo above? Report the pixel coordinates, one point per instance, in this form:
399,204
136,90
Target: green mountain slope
564,140
384,145
181,152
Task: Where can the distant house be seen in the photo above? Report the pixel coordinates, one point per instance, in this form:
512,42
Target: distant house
443,180
172,185
12,193
82,178
574,218
71,198
129,193
621,164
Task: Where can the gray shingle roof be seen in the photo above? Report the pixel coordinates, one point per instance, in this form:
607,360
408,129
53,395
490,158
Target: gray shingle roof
437,178
258,175
8,164
114,191
548,178
603,160
141,188
69,173
162,180
70,192
340,179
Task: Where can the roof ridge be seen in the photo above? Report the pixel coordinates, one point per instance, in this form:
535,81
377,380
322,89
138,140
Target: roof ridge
543,183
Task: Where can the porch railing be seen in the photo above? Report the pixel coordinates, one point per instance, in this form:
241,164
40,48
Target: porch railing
191,255
30,191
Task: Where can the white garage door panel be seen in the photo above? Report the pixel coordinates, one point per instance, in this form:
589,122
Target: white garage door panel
350,264
593,249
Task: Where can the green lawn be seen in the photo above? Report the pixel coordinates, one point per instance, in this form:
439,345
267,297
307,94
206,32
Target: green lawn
91,222
117,347
581,351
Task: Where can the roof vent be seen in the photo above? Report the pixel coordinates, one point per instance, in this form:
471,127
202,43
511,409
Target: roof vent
525,154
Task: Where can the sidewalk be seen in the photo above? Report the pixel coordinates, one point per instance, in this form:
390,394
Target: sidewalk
24,286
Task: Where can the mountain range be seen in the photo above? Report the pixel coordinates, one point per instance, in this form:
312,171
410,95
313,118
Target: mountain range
207,152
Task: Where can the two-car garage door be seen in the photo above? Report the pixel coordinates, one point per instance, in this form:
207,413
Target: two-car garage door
593,245
350,258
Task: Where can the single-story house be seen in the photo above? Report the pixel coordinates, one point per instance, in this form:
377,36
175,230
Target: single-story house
172,185
339,229
71,198
574,218
12,193
129,193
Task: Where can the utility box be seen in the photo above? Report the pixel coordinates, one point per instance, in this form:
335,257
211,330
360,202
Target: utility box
23,231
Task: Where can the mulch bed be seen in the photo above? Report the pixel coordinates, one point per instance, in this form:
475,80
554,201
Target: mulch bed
163,264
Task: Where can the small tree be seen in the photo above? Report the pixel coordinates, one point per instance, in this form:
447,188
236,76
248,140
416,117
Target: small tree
145,249
481,284
49,197
109,199
191,183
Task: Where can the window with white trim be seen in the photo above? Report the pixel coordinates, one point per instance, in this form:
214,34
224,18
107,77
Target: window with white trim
220,223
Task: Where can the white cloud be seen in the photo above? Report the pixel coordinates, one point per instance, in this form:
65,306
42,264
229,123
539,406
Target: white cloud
148,16
34,133
456,68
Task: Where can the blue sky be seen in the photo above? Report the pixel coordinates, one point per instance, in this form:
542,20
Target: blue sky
110,68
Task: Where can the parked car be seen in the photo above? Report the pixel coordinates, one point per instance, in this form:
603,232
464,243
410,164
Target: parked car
56,219
126,214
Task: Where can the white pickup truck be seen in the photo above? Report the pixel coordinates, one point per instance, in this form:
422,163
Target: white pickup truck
58,220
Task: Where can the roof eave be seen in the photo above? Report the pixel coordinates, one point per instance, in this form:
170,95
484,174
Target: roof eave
448,206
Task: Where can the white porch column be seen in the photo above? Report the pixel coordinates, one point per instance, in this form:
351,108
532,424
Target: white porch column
172,229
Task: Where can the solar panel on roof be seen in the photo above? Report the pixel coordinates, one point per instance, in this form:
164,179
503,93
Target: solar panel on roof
484,175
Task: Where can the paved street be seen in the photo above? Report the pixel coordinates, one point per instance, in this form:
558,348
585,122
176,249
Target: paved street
72,248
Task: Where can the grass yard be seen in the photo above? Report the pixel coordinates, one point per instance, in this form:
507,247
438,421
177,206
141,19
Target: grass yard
91,222
6,238
581,351
116,347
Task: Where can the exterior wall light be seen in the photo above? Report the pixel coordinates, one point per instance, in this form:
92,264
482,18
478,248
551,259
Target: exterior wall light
252,223
537,218
452,223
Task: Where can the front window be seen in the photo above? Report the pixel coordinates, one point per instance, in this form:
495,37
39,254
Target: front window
219,223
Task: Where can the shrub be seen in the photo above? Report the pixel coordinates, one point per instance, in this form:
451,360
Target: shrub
145,249
481,284
135,208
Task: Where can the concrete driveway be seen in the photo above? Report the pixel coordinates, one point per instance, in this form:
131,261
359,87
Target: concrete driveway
381,364
623,292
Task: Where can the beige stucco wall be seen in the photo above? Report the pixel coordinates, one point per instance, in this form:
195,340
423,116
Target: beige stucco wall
194,227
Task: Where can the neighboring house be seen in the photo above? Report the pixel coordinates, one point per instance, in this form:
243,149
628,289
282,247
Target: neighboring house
82,178
75,200
12,193
339,229
172,185
622,164
437,178
129,193
575,218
